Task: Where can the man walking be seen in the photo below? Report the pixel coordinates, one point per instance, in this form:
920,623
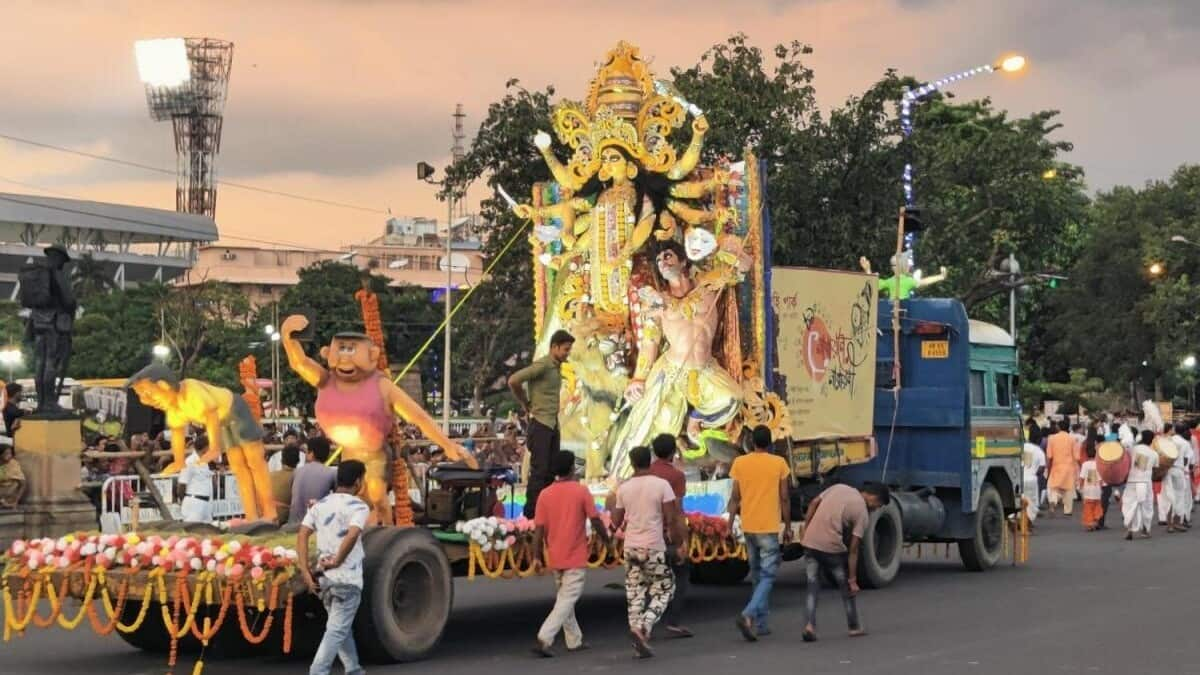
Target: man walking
760,497
1064,471
646,506
1137,499
544,380
664,446
836,512
338,520
563,509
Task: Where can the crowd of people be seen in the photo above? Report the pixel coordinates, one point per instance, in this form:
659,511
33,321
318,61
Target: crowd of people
1146,465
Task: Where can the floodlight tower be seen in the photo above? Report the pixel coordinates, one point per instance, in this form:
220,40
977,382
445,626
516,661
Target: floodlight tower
187,81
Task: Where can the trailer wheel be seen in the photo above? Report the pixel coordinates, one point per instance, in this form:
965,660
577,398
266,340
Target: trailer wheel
984,549
407,593
726,572
879,559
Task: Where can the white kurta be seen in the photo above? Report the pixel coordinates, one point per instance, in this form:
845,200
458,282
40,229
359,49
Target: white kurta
1137,501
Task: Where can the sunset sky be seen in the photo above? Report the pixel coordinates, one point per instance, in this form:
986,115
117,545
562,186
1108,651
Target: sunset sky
340,100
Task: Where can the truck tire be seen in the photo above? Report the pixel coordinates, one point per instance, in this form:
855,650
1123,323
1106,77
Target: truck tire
726,572
407,593
879,559
984,549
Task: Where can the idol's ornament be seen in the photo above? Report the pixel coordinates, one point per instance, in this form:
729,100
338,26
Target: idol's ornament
675,335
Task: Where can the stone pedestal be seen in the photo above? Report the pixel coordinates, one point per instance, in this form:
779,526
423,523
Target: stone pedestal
48,450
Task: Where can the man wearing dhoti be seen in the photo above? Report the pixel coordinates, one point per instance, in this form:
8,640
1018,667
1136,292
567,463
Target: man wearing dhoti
1137,501
1177,489
1064,471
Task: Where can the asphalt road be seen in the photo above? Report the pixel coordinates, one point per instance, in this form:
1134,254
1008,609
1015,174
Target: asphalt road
1068,610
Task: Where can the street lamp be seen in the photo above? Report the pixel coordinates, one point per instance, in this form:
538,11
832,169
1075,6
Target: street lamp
1180,239
274,336
1189,362
1009,64
425,172
10,358
1156,269
161,351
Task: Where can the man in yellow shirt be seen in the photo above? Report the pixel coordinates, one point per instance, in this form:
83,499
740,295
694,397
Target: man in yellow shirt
760,496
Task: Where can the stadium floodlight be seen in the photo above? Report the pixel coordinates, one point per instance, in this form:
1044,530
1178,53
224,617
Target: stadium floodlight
187,81
162,62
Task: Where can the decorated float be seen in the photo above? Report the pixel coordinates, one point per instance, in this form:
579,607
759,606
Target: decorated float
654,261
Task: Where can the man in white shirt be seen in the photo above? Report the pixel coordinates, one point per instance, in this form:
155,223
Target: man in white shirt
1137,500
1033,462
197,480
1177,488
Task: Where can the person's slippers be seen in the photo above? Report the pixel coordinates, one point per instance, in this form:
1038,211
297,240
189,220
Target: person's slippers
678,632
858,632
640,647
809,636
744,625
583,647
541,650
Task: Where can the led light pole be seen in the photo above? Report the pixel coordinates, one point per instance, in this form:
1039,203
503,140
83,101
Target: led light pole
10,358
425,172
912,97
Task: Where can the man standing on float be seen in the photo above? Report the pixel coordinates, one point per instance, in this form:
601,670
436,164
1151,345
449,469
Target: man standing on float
544,378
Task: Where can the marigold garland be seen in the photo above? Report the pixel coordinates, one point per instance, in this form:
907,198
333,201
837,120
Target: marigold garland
248,375
369,303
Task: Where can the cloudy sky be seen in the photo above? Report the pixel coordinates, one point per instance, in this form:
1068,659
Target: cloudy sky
339,100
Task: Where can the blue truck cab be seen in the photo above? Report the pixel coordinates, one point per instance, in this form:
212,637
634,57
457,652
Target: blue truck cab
948,437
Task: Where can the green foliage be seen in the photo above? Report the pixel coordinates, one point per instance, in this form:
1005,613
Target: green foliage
89,278
495,328
114,336
1078,390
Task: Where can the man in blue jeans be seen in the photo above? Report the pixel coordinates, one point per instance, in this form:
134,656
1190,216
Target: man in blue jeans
338,519
760,497
839,513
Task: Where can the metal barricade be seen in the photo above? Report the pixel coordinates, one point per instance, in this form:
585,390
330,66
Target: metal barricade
117,493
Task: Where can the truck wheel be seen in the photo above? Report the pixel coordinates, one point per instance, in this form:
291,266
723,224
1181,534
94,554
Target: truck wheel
879,559
726,572
407,593
984,549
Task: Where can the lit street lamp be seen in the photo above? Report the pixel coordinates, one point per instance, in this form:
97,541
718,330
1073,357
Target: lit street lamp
1010,64
1156,269
1189,362
10,358
161,351
274,336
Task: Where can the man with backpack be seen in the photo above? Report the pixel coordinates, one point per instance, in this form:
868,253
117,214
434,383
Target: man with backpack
46,292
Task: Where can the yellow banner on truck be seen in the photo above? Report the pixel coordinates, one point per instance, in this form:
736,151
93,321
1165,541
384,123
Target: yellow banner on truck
826,350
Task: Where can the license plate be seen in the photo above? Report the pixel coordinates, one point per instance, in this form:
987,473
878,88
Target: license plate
935,349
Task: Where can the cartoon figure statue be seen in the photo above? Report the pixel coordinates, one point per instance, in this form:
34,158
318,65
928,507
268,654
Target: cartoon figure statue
902,284
355,405
226,419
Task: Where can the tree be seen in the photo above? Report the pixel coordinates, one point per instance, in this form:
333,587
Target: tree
90,277
196,317
495,327
114,335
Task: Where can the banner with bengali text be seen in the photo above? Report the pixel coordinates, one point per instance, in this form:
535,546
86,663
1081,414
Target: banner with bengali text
826,336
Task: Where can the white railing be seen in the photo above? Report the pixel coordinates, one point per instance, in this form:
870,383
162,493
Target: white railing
117,492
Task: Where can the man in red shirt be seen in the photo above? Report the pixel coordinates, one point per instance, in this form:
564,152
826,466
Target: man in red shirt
560,539
664,451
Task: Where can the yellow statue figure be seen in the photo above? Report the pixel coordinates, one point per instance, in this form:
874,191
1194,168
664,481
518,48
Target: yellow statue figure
356,404
227,421
623,184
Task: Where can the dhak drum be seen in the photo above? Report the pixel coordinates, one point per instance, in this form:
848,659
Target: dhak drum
1168,454
1112,462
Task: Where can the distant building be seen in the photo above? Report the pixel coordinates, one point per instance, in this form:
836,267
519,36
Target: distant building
411,251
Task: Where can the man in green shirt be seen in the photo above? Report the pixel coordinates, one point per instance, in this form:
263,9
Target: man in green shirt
544,380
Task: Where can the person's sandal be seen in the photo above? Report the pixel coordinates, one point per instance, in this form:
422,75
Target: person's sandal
541,650
640,646
808,635
678,632
744,625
